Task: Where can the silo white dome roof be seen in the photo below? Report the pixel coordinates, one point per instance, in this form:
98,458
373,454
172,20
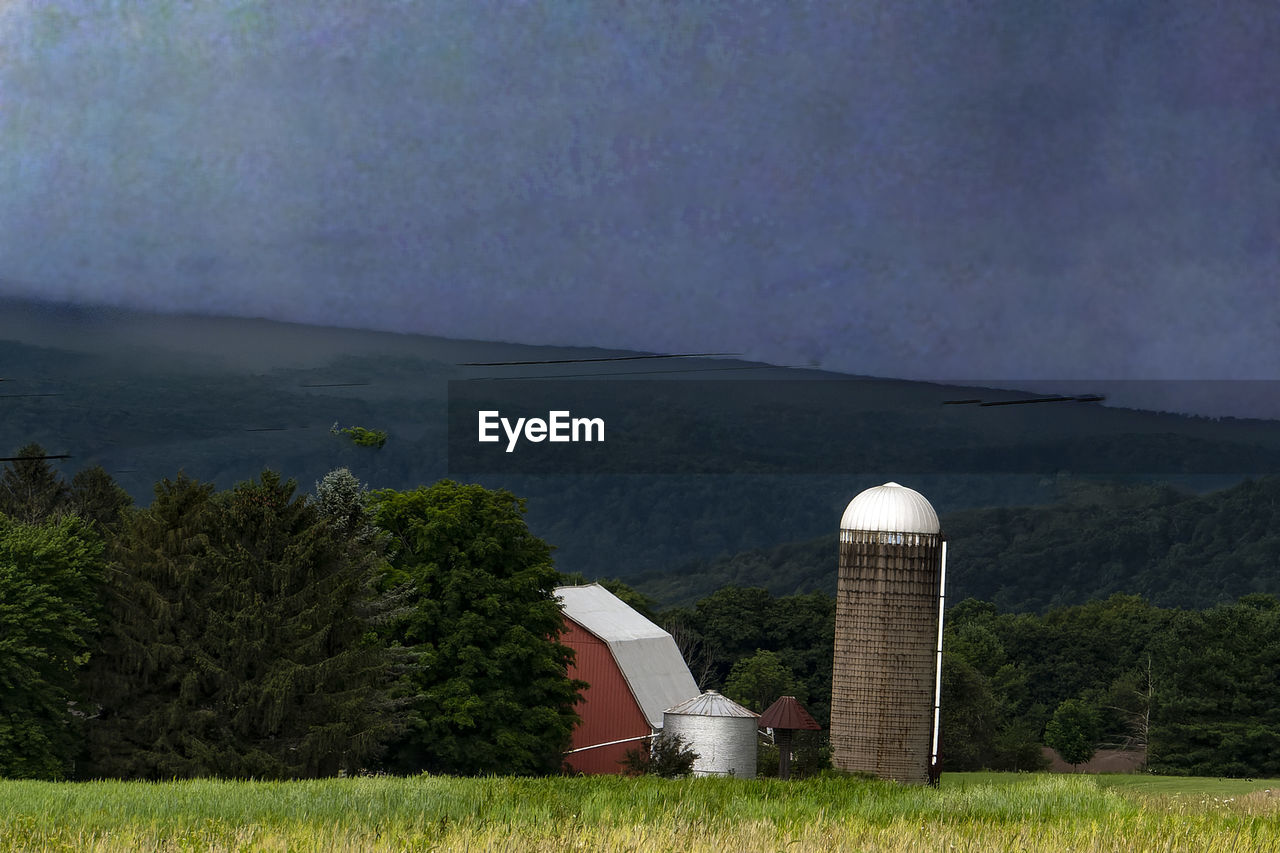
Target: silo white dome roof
891,508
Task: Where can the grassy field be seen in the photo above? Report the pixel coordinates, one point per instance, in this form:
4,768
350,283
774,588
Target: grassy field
971,812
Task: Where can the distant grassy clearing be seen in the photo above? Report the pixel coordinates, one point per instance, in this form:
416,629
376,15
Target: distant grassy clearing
1187,785
971,812
1138,783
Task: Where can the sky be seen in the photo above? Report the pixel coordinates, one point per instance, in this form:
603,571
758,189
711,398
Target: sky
992,189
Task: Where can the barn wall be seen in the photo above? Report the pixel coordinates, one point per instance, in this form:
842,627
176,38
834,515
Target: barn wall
608,710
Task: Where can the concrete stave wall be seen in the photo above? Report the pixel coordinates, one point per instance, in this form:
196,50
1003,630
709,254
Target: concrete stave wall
885,654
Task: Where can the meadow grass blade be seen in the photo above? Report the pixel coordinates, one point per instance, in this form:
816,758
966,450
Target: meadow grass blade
970,813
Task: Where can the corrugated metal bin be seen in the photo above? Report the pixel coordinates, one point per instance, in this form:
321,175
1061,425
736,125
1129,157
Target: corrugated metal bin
720,731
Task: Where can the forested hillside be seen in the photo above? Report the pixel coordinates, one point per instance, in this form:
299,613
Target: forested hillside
1169,545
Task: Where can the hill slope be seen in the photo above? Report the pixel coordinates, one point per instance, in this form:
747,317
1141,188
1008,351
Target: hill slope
146,396
1171,546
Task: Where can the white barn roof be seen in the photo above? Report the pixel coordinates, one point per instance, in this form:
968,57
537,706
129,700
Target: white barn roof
647,655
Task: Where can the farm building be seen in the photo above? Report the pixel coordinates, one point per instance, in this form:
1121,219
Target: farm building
720,731
634,670
886,682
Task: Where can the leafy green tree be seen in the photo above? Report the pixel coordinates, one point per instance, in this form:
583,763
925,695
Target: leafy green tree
978,644
1017,746
491,689
244,645
30,490
970,716
733,623
1216,707
1073,732
987,721
757,681
48,576
737,620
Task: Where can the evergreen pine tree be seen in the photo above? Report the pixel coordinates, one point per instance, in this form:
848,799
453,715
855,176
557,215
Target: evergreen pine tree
262,661
135,681
97,498
299,675
342,500
30,490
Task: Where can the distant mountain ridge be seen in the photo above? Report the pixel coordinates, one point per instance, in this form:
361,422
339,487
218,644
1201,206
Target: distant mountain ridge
146,396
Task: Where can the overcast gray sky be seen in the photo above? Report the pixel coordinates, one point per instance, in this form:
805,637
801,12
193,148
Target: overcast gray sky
998,188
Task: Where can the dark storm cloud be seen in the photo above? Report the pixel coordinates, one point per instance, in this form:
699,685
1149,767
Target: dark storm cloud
990,189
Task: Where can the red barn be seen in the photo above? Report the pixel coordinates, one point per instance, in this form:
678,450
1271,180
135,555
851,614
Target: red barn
634,670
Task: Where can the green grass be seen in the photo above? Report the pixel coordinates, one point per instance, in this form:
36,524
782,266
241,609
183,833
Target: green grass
1134,783
1185,785
970,812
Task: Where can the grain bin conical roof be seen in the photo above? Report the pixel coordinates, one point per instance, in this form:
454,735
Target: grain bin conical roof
891,508
712,704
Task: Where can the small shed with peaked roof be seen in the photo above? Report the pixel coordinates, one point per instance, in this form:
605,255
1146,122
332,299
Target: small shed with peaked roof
634,671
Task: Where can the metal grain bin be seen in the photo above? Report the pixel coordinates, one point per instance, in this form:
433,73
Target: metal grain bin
888,613
721,731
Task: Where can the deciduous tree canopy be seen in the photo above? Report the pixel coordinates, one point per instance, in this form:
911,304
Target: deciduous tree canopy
48,576
491,690
758,680
1073,732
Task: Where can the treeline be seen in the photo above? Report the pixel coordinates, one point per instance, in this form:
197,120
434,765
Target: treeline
1195,688
262,632
1169,545
259,632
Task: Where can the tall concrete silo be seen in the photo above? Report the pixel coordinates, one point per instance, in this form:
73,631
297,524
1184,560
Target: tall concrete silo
885,690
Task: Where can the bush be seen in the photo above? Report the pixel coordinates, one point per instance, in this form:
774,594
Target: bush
361,436
669,758
810,755
1073,731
